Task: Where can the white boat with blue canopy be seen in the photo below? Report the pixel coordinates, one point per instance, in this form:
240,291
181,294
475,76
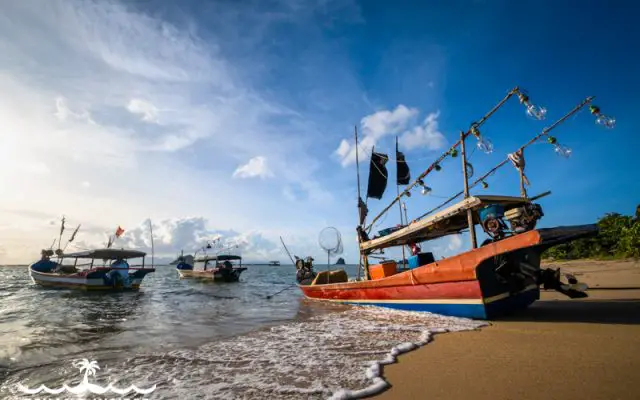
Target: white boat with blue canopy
105,269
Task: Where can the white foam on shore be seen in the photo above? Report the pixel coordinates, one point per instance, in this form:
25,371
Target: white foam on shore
336,356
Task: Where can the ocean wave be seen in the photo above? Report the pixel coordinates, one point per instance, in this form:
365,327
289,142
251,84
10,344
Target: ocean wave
336,356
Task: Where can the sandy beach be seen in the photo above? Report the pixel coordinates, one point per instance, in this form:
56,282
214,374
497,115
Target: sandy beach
558,349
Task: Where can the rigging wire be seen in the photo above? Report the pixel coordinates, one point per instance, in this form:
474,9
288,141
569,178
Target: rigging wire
544,132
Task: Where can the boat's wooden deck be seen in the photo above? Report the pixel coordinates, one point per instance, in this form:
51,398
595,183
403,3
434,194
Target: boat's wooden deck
446,222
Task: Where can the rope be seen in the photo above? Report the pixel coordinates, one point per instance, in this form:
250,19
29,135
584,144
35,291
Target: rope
544,132
447,153
381,173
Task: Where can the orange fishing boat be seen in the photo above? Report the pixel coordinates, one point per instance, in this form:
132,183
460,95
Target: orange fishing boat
500,276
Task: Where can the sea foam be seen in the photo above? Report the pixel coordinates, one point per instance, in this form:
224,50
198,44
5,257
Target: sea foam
332,356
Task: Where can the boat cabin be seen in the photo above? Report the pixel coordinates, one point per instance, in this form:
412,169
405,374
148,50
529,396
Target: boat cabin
101,258
217,261
487,211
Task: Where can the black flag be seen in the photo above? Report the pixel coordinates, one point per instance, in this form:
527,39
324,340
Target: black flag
362,210
377,175
403,176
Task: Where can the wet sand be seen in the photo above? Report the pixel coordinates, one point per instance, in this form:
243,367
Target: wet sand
558,349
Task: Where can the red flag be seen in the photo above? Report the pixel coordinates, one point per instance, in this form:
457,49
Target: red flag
119,231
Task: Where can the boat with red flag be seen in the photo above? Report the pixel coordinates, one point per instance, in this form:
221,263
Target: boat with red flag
106,270
501,275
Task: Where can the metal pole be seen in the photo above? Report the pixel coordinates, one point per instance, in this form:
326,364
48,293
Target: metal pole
404,263
355,130
406,218
472,229
357,167
152,249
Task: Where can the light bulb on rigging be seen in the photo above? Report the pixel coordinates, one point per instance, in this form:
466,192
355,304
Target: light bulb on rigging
562,151
601,119
483,144
536,112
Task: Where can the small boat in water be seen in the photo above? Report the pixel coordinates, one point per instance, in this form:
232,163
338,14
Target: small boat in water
274,263
219,268
111,271
500,276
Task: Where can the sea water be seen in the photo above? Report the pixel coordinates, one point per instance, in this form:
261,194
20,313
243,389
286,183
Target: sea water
203,340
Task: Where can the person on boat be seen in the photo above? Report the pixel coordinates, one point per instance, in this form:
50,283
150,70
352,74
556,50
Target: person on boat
227,265
45,264
120,267
415,249
305,274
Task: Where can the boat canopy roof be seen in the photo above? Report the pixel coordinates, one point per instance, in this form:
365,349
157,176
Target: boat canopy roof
221,257
446,222
107,254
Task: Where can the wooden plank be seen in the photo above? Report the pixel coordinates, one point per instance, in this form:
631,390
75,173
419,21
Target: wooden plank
446,222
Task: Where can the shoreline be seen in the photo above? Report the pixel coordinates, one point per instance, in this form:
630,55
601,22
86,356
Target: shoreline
558,348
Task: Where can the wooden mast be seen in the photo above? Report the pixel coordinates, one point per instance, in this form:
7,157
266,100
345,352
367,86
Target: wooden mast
472,229
360,258
152,248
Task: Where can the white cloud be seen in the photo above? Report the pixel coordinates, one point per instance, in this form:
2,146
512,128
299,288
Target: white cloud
424,135
81,81
384,123
374,127
256,167
146,110
63,112
171,236
455,242
387,122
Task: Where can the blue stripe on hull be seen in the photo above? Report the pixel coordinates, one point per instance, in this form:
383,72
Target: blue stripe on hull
475,311
496,308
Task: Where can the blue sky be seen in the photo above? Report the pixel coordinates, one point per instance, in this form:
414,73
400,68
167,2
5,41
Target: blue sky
225,117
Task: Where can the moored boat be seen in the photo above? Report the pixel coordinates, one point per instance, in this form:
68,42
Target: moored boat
500,276
111,271
219,268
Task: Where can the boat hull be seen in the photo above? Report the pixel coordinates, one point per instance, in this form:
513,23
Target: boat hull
213,275
458,299
473,284
91,280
